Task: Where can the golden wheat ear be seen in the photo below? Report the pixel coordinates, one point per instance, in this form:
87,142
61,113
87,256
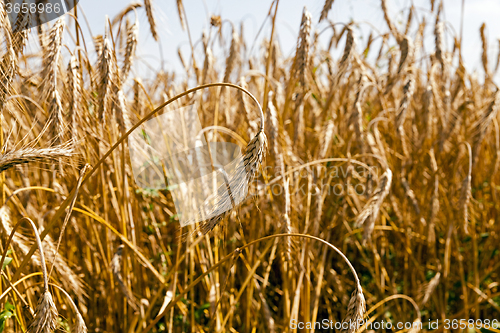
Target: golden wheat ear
355,310
30,154
236,182
45,320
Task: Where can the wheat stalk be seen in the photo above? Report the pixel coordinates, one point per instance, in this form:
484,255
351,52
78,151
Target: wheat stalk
300,126
398,108
51,56
409,20
466,192
287,223
131,7
273,133
434,209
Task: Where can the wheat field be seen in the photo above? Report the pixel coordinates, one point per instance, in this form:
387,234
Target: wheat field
372,176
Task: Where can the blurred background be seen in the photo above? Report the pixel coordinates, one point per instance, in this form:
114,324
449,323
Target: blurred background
253,14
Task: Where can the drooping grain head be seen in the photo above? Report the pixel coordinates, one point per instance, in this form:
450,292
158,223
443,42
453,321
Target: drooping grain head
355,311
236,183
45,320
80,326
254,154
28,154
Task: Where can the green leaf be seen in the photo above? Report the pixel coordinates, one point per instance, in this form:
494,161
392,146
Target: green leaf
9,307
7,313
6,262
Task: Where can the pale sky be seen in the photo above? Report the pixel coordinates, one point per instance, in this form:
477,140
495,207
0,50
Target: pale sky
254,12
